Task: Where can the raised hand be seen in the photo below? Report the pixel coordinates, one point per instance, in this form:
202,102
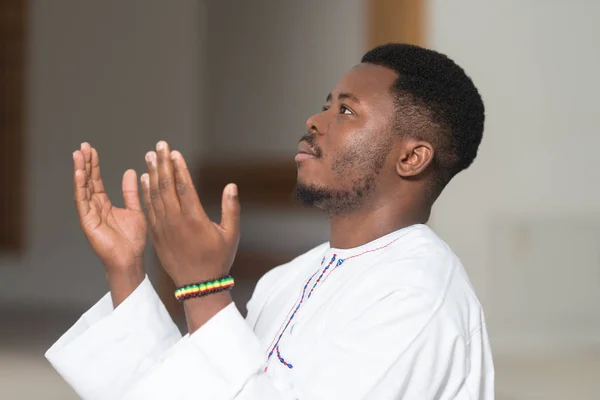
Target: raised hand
190,246
117,235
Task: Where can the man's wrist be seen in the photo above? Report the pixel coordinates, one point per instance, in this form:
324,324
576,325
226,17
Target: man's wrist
123,281
199,310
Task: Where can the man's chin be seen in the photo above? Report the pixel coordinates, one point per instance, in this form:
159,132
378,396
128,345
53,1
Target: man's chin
333,201
308,195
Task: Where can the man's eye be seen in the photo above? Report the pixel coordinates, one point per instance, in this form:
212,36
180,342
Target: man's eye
345,110
325,108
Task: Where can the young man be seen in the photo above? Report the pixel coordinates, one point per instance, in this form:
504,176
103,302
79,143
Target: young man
384,310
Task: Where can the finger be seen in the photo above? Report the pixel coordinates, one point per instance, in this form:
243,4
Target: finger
188,198
166,179
155,200
145,179
78,161
230,211
86,150
131,194
81,196
96,179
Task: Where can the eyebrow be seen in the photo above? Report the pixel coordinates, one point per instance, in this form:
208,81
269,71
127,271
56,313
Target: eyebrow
344,96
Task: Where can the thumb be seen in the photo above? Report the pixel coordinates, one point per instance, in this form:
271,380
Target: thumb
130,191
230,211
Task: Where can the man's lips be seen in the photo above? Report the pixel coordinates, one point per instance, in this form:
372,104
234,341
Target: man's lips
305,152
305,148
303,156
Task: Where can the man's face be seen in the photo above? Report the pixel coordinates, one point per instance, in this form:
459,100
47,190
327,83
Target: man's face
351,139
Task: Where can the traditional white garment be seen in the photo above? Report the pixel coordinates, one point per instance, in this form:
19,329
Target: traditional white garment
393,319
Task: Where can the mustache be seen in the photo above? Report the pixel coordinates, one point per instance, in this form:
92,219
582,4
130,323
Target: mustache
312,141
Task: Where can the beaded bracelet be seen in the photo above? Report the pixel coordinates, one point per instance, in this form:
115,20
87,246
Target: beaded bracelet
204,288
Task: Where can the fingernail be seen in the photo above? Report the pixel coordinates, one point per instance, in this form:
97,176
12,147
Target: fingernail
233,190
145,179
151,157
160,145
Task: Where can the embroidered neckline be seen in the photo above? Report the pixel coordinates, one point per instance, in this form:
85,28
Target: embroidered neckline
274,346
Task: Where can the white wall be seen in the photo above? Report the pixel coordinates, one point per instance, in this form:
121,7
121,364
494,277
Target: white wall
122,75
525,218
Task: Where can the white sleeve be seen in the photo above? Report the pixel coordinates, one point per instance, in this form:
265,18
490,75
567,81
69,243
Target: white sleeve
395,348
108,350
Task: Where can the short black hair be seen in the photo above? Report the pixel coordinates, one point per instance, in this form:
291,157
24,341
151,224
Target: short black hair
431,85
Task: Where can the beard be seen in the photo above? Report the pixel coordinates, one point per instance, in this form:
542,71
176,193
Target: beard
359,167
335,201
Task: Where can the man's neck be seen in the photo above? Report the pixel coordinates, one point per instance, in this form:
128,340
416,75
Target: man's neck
363,226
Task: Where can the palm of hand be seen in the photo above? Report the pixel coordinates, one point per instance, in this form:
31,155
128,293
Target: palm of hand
117,235
121,232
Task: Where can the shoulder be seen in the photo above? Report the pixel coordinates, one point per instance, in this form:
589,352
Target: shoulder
417,259
419,268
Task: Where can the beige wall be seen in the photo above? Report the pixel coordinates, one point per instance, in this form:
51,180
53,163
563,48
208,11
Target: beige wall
525,218
122,75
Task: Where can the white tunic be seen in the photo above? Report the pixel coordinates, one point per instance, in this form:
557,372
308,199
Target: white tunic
393,319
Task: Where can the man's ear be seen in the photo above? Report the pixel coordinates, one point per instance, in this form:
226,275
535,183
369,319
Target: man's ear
413,157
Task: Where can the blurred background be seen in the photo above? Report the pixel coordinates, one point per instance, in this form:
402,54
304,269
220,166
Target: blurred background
230,83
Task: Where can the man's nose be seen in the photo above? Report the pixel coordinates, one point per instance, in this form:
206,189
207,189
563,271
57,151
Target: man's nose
316,124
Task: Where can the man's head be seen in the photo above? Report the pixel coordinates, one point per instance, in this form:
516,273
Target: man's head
396,127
